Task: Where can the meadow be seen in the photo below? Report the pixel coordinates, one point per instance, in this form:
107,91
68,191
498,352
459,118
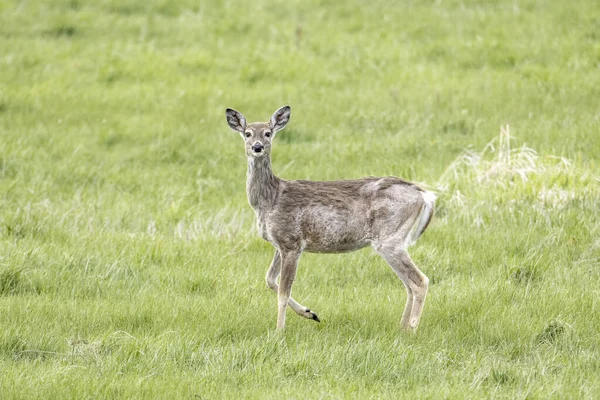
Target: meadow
130,266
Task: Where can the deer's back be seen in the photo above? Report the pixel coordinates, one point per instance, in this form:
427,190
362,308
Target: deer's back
340,216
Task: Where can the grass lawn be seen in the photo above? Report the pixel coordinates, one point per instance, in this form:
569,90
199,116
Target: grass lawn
130,266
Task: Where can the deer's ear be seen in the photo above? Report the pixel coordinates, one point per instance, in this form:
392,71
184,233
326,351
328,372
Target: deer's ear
280,118
236,120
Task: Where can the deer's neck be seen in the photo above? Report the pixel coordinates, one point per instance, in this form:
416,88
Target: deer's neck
261,185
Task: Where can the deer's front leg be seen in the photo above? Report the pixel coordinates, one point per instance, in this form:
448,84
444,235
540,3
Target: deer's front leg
289,264
272,275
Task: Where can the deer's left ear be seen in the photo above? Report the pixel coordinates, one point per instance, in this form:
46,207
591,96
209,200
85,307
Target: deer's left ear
280,118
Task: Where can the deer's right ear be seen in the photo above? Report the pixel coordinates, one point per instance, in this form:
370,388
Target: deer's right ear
236,120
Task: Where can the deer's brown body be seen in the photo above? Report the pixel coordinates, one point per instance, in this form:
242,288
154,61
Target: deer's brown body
387,213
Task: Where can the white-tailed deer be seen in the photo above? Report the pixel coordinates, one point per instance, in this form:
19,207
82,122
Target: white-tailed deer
387,213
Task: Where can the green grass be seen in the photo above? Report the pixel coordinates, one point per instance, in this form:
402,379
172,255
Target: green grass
129,262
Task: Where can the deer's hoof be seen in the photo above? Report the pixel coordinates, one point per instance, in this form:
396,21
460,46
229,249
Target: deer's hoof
312,315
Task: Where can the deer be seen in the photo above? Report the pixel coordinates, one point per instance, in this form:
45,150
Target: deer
296,216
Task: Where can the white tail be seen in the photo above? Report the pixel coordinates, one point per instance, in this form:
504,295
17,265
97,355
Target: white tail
425,216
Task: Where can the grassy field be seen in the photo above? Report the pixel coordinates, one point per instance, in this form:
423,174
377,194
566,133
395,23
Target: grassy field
129,262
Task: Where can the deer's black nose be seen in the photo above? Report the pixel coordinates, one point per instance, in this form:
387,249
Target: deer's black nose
257,147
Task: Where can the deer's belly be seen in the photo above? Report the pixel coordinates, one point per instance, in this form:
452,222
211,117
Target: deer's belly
338,247
335,235
317,230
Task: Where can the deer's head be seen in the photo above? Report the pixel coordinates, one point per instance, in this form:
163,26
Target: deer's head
258,135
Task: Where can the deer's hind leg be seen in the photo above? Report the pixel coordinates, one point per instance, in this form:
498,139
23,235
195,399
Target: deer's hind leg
405,321
414,280
271,277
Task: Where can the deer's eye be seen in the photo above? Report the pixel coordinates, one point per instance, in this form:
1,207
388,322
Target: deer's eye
268,134
248,134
